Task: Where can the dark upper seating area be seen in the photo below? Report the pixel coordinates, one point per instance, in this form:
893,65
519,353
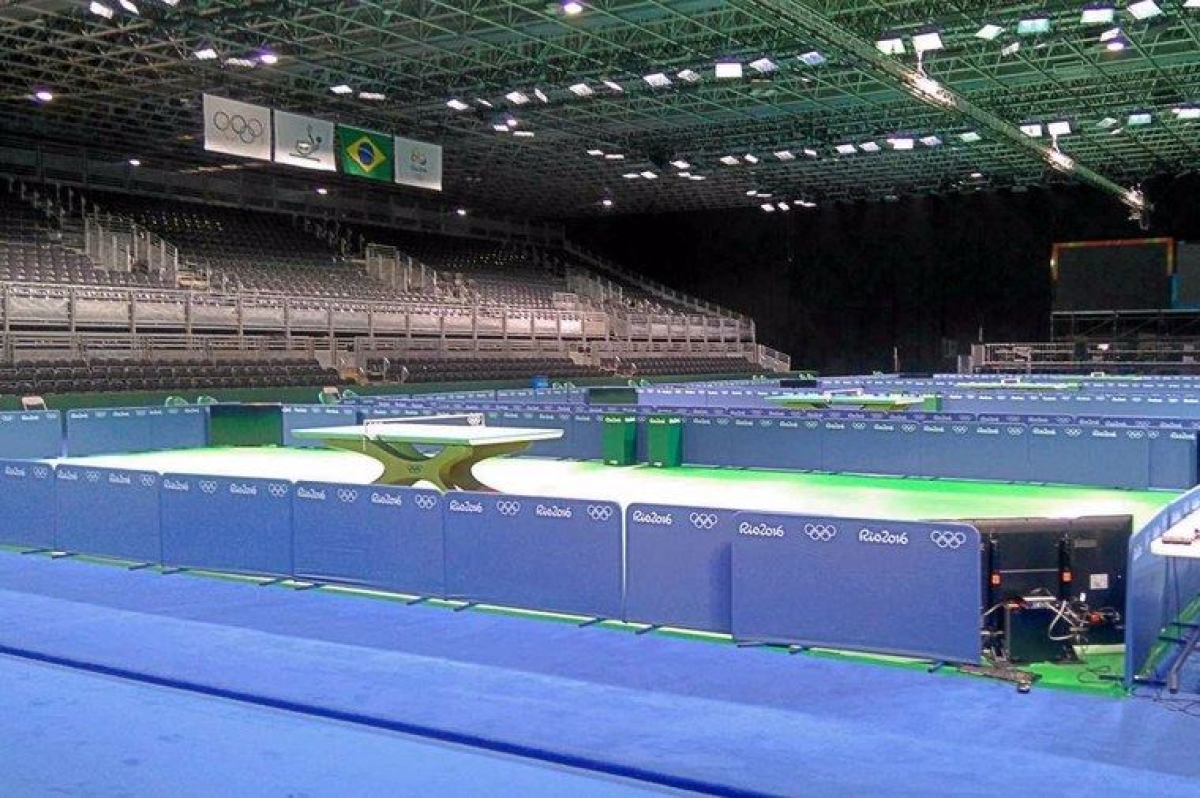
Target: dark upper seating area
45,376
647,366
449,370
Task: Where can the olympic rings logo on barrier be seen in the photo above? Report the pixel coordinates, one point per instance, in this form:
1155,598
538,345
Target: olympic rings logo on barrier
1015,430
947,539
959,429
1073,432
207,486
599,512
147,480
508,508
277,490
425,501
822,533
908,427
40,472
1135,434
91,476
858,425
703,520
237,126
475,419
347,495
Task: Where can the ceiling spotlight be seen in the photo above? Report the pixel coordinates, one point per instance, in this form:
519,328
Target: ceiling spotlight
1115,46
649,175
1010,49
657,79
246,63
500,127
129,6
1097,15
595,152
372,95
205,54
683,174
43,95
969,137
612,84
812,58
580,90
750,159
927,41
679,163
523,134
768,207
517,98
728,69
1106,122
341,89
752,192
1139,118
785,155
511,121
101,10
846,149
457,105
1057,129
730,160
614,156
931,141
572,8
763,65
697,177
1032,129
811,153
1031,26
269,58
689,75
989,32
606,202
484,102
869,146
902,143
1110,34
1187,111
322,191
890,44
783,206
134,162
1144,9
1060,161
461,211
631,175
541,95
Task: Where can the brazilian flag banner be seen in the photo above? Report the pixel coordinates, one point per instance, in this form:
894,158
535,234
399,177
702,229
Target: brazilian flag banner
365,153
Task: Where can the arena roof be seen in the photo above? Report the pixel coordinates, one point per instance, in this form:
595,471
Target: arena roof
820,112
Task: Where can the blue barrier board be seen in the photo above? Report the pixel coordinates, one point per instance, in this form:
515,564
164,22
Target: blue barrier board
31,435
677,566
892,587
108,512
559,555
373,535
240,524
27,508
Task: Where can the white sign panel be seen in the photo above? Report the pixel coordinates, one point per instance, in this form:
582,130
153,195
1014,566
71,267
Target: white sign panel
304,141
418,164
237,128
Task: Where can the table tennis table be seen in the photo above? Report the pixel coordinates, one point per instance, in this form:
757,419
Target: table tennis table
458,447
859,401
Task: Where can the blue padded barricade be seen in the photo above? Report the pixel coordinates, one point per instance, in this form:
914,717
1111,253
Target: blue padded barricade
871,447
796,445
179,427
1110,457
587,430
108,512
27,507
30,435
306,416
707,440
240,524
134,429
373,535
560,555
892,587
1173,457
677,566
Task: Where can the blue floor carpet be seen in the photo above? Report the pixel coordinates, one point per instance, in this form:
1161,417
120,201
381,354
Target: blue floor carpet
66,732
673,711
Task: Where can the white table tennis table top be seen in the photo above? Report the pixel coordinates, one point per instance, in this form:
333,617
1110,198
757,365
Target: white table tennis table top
444,434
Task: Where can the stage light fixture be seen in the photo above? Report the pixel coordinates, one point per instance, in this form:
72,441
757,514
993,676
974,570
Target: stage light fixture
927,40
649,175
901,143
750,158
783,206
606,202
1187,111
1061,128
1106,122
679,163
890,44
457,105
1097,15
811,153
612,84
768,207
484,102
517,97
43,95
730,160
572,8
1032,26
1010,48
1138,118
631,175
969,137
614,156
725,70
1144,9
205,54
322,191
657,79
373,96
134,162
869,146
845,149
785,155
341,89
101,10
989,32
524,134
688,75
461,211
812,58
580,90
931,141
129,6
763,65
1032,129
595,152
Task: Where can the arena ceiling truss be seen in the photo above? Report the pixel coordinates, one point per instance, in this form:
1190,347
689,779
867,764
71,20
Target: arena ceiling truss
519,93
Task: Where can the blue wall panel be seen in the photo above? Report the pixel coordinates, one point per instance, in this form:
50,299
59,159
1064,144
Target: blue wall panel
242,525
31,435
1173,456
27,507
375,535
677,566
306,416
900,588
559,555
108,512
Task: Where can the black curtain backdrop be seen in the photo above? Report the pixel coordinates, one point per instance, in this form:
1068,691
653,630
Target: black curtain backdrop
839,286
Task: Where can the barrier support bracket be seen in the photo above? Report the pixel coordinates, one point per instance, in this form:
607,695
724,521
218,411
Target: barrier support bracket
591,622
654,627
466,606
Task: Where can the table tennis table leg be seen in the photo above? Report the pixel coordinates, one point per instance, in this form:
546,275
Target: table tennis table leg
456,471
402,463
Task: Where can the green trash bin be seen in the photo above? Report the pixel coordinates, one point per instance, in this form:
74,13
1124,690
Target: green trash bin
619,442
664,441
